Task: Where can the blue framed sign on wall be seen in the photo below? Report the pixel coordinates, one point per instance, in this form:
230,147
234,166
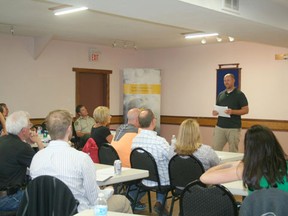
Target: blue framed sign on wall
222,71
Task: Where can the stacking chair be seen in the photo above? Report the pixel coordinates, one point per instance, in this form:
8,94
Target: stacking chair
47,196
141,159
107,154
183,170
201,200
8,213
75,139
271,201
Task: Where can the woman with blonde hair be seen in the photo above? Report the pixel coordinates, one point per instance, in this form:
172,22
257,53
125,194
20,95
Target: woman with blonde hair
100,132
189,143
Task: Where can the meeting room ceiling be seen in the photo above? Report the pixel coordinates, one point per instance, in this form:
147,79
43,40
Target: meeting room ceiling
147,24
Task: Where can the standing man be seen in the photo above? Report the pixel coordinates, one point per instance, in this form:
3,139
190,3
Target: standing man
125,133
148,139
83,124
228,129
74,168
15,156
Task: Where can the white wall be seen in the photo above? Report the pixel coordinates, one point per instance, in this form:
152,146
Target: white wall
188,76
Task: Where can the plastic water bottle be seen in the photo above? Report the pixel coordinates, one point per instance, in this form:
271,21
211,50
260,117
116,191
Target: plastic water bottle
101,207
173,140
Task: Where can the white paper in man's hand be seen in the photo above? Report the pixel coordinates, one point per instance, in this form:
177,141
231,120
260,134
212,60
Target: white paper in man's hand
221,111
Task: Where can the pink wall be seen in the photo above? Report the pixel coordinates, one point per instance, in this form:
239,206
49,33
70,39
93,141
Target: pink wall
188,77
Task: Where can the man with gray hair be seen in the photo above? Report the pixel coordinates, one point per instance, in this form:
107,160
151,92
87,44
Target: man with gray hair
15,156
73,167
124,135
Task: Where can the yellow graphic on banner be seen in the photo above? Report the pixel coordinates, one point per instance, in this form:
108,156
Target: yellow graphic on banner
142,88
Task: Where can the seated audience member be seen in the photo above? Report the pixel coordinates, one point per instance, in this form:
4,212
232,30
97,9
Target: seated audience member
3,130
263,165
74,168
100,132
148,139
189,143
5,109
124,135
83,124
15,156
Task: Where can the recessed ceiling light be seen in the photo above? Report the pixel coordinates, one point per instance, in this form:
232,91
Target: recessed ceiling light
231,39
203,41
219,39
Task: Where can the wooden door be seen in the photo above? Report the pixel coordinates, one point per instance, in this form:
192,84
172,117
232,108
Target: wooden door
92,88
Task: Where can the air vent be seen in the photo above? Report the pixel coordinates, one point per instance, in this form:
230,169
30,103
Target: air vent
231,5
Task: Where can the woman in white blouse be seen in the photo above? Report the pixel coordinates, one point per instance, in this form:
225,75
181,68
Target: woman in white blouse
189,143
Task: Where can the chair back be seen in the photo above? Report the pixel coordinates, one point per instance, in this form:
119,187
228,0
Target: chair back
91,149
183,170
271,201
201,200
46,196
75,139
107,154
8,213
141,159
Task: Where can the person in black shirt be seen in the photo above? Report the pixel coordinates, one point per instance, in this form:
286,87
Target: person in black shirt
100,132
15,156
228,129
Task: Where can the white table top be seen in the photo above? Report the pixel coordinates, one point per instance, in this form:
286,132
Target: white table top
229,156
90,212
236,188
128,174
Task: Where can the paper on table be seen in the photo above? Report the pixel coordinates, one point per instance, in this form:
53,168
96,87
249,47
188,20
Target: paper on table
221,111
104,174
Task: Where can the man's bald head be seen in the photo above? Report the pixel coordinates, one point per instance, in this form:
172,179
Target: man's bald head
132,116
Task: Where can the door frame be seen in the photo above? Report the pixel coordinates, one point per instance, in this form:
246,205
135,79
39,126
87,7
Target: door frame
96,71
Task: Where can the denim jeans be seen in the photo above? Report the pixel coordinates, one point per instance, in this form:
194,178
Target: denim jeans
159,196
11,202
132,194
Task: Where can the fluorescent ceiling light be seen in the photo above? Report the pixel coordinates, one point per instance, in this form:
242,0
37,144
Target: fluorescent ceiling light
69,10
200,35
